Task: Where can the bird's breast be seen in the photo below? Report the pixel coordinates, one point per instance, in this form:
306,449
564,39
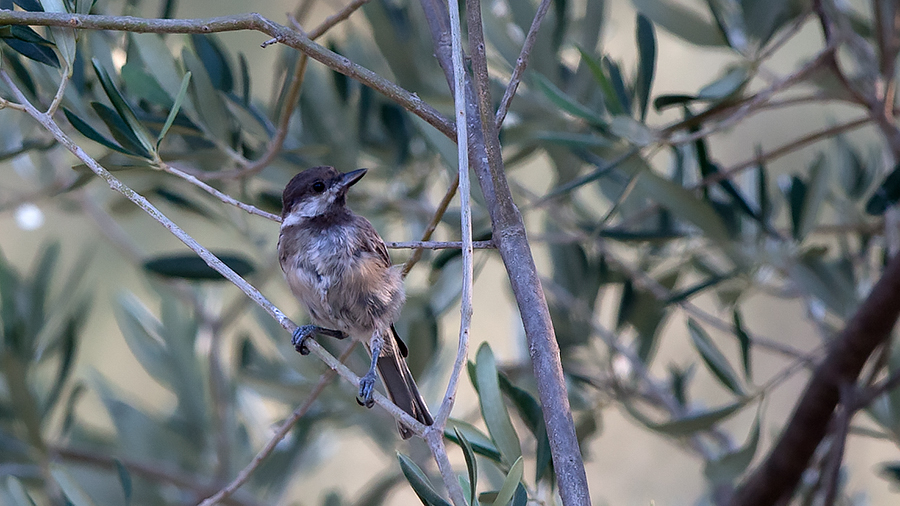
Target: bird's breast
343,285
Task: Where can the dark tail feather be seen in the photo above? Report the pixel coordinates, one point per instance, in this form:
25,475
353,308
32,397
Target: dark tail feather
401,387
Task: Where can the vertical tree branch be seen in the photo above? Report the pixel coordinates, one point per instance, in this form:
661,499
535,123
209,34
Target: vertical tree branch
435,434
462,149
512,241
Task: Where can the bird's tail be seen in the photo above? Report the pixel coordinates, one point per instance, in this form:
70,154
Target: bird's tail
400,385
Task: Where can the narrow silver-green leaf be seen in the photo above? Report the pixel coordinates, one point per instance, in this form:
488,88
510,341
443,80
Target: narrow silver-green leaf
420,483
728,467
141,331
471,464
18,492
493,409
681,22
510,483
209,104
691,423
159,61
64,38
646,41
124,480
88,131
723,87
730,17
480,442
70,488
744,341
714,358
175,108
631,130
611,99
684,204
565,102
816,191
122,107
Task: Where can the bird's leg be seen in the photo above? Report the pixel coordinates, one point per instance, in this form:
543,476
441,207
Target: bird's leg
367,382
304,332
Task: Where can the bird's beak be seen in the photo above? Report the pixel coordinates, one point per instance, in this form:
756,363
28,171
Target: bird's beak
348,179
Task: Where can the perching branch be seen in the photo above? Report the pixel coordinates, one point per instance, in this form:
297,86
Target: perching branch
50,125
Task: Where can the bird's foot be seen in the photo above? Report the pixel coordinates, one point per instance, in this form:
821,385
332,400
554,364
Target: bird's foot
366,390
304,332
301,334
337,334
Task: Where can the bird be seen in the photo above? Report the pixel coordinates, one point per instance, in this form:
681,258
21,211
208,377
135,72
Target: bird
338,267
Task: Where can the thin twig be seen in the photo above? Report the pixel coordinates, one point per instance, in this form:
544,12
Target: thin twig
331,21
868,395
218,194
782,150
788,34
435,433
276,438
291,99
508,230
831,472
421,245
521,63
753,104
65,75
758,159
6,104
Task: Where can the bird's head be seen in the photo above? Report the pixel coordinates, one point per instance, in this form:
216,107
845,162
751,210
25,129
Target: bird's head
316,192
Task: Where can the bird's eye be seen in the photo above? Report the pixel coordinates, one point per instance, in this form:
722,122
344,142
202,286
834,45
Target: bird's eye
318,187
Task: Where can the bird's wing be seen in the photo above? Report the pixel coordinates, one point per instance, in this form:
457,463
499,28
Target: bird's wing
374,243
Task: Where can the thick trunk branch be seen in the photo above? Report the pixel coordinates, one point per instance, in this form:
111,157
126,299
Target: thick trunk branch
512,241
777,477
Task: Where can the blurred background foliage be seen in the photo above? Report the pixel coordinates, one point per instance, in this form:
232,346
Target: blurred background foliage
687,315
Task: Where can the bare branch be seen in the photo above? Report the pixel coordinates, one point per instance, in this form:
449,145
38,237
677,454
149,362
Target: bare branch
421,245
521,63
331,21
279,33
435,433
218,194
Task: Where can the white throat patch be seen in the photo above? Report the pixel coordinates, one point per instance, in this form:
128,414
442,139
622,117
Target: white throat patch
310,207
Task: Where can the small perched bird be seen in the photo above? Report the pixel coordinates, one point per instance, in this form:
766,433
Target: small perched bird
337,265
